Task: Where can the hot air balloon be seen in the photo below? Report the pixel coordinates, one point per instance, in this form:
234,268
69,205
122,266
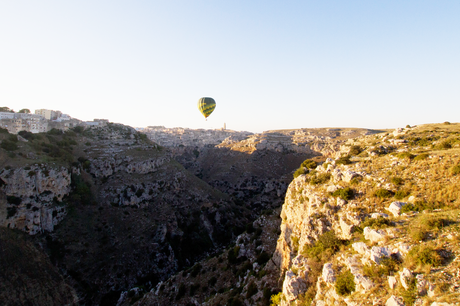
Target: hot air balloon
206,106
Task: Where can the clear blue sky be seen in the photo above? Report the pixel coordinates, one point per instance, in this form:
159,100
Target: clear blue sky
268,64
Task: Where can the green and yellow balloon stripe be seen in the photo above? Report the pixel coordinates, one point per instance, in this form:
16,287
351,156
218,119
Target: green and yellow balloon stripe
206,106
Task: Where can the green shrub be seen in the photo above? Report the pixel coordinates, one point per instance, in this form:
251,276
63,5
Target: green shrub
212,281
433,222
262,258
376,223
181,291
300,171
443,145
405,155
401,194
8,145
26,135
276,299
422,156
455,170
309,164
3,131
13,138
383,193
345,283
422,255
195,270
410,295
326,245
396,180
13,200
355,150
407,208
252,289
344,160
233,254
194,288
387,267
320,178
418,234
344,193
420,206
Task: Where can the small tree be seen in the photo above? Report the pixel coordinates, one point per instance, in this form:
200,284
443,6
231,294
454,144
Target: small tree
345,283
24,111
5,109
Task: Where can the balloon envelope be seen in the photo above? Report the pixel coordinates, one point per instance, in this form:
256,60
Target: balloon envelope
206,106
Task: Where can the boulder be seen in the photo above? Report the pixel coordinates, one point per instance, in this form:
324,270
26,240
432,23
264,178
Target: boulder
348,175
347,229
374,235
392,282
328,273
422,284
360,247
394,301
395,208
377,253
376,215
405,277
363,282
293,285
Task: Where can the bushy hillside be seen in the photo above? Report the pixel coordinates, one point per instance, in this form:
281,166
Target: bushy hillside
379,226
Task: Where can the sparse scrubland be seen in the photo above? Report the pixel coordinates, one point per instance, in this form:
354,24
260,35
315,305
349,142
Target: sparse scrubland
370,218
395,205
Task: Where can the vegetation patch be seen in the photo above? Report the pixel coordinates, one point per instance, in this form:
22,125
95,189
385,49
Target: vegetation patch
320,178
387,267
377,223
344,160
383,193
401,194
304,167
421,256
419,206
422,156
345,283
405,155
326,246
396,180
455,170
355,150
344,193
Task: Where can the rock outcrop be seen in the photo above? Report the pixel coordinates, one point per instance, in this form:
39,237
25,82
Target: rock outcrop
32,197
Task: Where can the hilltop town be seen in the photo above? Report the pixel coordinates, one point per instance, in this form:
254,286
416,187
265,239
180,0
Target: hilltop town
42,121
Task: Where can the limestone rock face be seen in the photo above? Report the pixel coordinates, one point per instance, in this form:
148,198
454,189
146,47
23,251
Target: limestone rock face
293,286
32,197
106,166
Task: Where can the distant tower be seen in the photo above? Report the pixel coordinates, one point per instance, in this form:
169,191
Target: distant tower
225,126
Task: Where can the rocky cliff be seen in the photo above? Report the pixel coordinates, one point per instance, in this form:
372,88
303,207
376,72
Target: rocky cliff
32,197
376,229
111,209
